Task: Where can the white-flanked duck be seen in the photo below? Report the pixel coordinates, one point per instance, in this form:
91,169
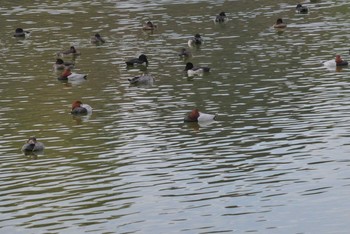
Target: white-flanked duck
97,39
33,145
72,51
70,76
60,64
141,60
149,26
196,116
301,9
191,70
279,24
195,41
78,108
144,79
221,17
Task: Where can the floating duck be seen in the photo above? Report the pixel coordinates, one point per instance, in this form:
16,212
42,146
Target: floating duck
185,53
191,70
279,24
221,17
78,108
71,51
339,61
60,64
68,75
196,116
19,32
141,60
97,39
196,40
149,26
301,9
33,145
142,80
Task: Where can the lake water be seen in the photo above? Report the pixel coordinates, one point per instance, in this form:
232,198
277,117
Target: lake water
275,161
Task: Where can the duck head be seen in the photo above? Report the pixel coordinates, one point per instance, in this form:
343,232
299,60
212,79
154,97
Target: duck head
192,116
19,30
76,104
59,61
279,21
143,58
72,49
189,66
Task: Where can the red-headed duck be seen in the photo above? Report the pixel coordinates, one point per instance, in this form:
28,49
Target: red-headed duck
68,75
78,108
339,61
196,116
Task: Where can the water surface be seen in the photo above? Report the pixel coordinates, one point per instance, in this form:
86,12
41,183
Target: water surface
275,161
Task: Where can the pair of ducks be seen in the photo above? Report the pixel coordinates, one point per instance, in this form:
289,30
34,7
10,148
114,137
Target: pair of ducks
300,9
78,109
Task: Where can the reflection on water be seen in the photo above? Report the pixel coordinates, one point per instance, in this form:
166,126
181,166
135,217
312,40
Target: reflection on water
275,161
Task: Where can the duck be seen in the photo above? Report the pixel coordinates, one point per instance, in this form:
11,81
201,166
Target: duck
97,39
196,40
191,70
221,17
144,79
185,53
68,75
72,50
78,108
141,60
33,145
60,64
279,24
149,26
19,32
339,61
196,116
301,9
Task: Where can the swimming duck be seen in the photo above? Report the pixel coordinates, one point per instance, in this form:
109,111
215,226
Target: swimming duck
339,61
185,53
68,75
191,70
301,9
196,116
279,24
221,17
196,40
19,32
71,51
78,108
141,60
97,39
149,26
142,80
33,145
60,64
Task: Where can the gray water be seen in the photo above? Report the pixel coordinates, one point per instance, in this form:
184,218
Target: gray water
275,161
